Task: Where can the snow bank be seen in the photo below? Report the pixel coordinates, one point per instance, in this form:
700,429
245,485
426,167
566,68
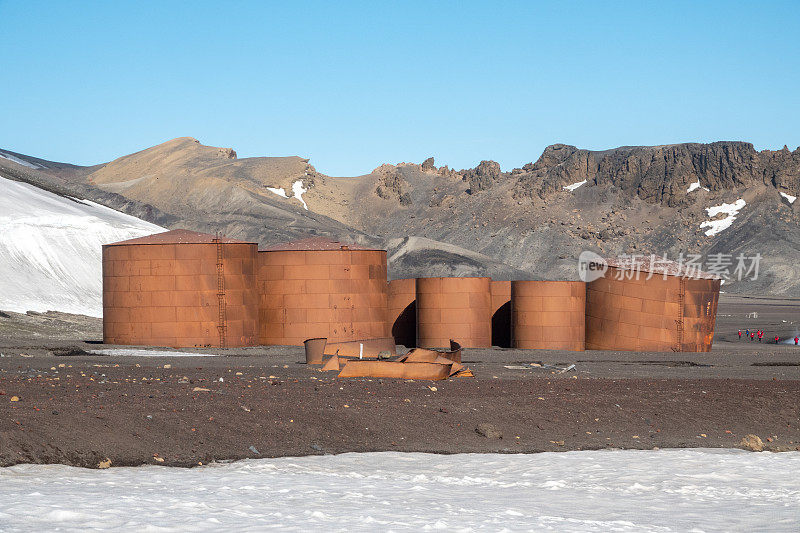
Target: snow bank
50,249
731,210
574,186
667,490
789,197
141,352
19,161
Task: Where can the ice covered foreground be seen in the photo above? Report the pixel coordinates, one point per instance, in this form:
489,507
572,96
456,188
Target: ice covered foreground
668,490
50,249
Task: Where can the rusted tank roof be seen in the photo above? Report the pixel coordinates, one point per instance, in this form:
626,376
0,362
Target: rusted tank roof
316,243
179,236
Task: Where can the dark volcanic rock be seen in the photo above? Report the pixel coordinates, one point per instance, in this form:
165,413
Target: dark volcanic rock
391,185
428,164
660,174
481,177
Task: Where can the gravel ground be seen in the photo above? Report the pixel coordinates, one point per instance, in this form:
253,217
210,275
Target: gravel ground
80,409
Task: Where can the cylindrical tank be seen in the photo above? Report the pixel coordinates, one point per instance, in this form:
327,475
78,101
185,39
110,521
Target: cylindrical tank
548,315
701,297
454,308
650,312
501,313
180,289
321,288
403,311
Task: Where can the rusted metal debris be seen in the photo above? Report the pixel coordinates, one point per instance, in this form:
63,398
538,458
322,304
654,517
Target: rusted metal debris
419,363
318,347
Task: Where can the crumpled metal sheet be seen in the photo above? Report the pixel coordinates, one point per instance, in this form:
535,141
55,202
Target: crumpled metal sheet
419,363
362,368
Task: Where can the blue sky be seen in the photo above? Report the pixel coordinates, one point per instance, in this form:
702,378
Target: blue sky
352,85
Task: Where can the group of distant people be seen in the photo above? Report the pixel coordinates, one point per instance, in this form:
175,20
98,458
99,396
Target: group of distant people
758,334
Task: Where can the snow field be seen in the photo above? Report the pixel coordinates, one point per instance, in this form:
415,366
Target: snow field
666,490
50,249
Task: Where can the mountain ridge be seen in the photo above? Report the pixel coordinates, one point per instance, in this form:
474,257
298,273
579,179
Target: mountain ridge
534,219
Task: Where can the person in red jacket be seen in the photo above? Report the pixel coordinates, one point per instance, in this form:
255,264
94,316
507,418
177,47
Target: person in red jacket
760,335
777,339
795,340
740,334
752,335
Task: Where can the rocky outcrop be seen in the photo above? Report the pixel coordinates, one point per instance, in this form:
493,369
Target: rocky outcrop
391,185
481,177
428,164
226,153
661,174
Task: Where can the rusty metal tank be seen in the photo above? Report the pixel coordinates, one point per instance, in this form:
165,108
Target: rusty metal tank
454,308
501,313
403,311
660,309
321,288
548,315
180,289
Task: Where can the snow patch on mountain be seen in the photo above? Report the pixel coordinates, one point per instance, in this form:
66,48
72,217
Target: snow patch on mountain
574,186
694,186
280,191
299,191
50,249
731,210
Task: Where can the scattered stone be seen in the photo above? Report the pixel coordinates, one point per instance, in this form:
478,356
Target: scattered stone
105,463
15,398
200,389
316,447
254,450
752,442
489,431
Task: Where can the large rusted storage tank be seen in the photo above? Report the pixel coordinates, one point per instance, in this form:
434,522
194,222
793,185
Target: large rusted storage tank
548,314
403,311
321,288
454,308
667,312
501,313
180,289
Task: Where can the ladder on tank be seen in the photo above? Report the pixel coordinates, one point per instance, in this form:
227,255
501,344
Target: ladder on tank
681,301
222,319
